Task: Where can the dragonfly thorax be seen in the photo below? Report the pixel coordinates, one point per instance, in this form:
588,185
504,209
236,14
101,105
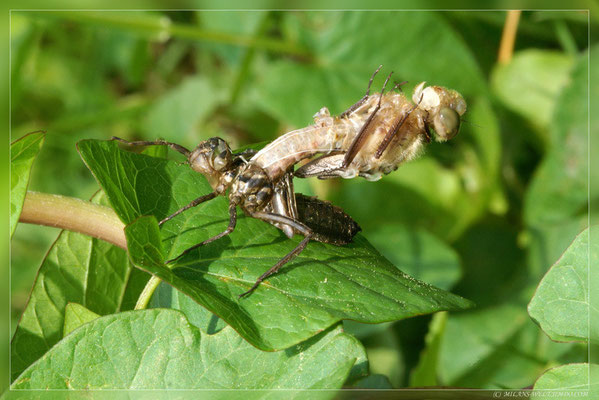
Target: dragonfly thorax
252,189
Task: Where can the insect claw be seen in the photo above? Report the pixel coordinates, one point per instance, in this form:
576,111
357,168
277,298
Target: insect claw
244,294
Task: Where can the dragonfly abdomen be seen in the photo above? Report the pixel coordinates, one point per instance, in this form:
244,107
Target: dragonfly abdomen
329,223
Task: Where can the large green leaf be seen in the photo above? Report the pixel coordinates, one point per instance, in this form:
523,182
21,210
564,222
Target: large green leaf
561,303
160,349
76,315
22,154
425,373
556,201
323,285
571,378
166,296
475,345
420,254
530,83
77,269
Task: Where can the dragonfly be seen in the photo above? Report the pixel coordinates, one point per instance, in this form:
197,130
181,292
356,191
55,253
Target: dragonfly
371,138
259,196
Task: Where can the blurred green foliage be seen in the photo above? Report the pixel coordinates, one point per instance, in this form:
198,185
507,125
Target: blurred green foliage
485,215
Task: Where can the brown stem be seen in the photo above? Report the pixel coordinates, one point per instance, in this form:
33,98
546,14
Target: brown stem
74,215
508,37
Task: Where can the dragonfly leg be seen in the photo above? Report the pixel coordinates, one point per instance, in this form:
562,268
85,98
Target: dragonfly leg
159,142
393,131
300,227
361,137
194,203
363,99
230,228
246,154
398,85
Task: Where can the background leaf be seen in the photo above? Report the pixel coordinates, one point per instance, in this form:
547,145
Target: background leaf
22,153
506,195
178,113
419,253
561,303
76,315
569,377
168,297
344,61
375,381
425,374
77,269
530,83
555,208
159,349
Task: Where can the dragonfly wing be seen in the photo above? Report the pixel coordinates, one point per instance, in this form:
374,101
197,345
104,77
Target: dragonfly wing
327,166
283,203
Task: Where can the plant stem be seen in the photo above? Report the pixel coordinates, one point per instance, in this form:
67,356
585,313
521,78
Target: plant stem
163,28
146,294
74,215
84,217
508,37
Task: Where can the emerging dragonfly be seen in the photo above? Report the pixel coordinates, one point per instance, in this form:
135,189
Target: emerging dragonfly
260,197
373,137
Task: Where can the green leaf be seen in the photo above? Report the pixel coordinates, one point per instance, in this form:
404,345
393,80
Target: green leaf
498,347
571,377
425,373
144,243
530,83
556,202
77,269
22,154
178,113
361,367
472,339
76,315
560,186
363,331
375,381
560,305
322,286
166,296
385,357
419,254
156,151
236,22
159,349
135,285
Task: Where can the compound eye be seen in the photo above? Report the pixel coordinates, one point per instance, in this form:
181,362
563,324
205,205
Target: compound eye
221,160
220,145
221,154
447,123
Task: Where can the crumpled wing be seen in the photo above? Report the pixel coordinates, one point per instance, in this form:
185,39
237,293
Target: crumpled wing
325,167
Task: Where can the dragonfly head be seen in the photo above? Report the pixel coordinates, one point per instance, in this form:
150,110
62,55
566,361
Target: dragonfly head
211,158
445,108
